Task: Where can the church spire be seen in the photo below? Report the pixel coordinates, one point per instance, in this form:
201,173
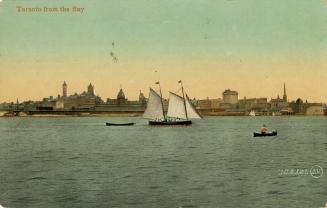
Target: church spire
285,96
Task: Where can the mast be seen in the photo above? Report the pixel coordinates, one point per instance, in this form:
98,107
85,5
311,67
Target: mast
180,81
163,111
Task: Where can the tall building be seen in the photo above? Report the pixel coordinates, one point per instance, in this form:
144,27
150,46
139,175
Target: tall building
230,96
64,89
279,103
85,100
121,99
284,96
90,89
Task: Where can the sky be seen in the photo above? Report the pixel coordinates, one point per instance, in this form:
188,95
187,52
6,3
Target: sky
251,46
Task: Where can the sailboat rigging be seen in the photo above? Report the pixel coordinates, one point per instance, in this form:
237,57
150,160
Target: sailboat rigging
180,109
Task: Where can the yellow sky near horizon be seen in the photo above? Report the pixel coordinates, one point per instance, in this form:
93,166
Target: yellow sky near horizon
30,80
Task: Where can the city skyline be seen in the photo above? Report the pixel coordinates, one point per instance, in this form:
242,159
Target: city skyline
90,88
252,47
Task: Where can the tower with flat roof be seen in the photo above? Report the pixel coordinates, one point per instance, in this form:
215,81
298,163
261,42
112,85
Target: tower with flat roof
230,96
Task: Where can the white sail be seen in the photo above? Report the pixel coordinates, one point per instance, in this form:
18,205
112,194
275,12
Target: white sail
154,106
176,108
191,111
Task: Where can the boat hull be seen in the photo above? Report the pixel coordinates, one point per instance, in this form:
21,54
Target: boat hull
119,124
170,123
257,134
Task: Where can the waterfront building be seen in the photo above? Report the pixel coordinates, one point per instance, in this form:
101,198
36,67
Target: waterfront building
230,96
5,106
297,106
122,105
208,104
84,101
305,108
74,102
278,103
204,105
315,110
257,104
48,103
120,100
226,106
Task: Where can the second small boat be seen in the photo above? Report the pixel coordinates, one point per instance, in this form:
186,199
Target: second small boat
119,124
259,134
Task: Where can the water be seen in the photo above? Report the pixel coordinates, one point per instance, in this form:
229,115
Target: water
79,162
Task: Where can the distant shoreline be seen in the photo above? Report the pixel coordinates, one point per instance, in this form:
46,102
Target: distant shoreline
140,116
72,115
8,114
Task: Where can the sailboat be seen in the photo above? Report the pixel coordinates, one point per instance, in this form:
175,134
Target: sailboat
180,109
252,113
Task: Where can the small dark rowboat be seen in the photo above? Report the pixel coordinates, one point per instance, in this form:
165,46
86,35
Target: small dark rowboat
119,124
257,134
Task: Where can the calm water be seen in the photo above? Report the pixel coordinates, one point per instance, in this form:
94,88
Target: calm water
78,162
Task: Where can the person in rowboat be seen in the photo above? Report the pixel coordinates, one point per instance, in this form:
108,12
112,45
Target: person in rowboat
263,129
